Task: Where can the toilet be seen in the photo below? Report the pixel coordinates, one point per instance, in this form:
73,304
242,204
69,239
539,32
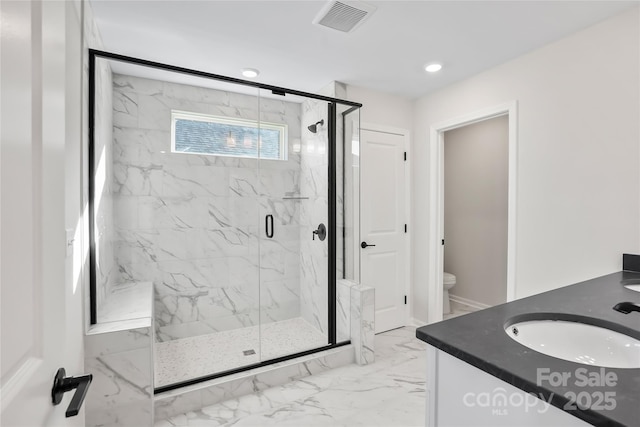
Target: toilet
448,281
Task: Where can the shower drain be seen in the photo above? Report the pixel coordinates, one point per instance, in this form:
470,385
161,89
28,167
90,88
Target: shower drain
249,352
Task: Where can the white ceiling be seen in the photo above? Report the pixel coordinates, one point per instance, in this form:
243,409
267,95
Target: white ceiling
387,53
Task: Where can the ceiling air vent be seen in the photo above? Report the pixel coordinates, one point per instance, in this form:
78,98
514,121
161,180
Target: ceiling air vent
344,16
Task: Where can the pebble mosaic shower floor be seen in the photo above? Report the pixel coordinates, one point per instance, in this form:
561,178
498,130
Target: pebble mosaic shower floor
188,358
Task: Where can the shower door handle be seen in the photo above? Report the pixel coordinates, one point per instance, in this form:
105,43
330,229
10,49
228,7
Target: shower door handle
268,226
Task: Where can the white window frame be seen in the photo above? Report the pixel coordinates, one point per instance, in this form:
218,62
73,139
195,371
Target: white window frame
208,118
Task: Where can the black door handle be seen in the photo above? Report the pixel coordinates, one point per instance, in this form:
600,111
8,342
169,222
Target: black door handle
63,384
268,226
364,245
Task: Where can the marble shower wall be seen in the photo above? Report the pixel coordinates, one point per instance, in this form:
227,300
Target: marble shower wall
191,223
314,254
106,271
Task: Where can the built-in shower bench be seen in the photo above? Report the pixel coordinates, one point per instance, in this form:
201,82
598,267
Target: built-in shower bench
119,354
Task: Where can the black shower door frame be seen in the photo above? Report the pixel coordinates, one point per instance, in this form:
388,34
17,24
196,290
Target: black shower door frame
332,197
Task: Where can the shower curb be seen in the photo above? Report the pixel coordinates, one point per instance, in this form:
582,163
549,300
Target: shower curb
197,396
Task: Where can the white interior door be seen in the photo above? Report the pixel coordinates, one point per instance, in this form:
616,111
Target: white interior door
34,302
382,224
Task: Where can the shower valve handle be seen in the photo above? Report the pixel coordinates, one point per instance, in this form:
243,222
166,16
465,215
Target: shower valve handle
321,232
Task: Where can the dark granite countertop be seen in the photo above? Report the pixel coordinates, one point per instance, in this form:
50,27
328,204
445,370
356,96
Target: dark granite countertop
479,339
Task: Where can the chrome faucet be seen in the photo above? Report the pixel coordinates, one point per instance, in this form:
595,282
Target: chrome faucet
626,307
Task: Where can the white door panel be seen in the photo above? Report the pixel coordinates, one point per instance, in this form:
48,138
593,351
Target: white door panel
382,225
32,199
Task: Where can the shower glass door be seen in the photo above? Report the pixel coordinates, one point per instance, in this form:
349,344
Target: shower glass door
294,244
227,200
201,220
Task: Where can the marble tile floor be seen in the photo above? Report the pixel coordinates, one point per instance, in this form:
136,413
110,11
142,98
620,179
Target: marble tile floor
458,309
194,357
388,392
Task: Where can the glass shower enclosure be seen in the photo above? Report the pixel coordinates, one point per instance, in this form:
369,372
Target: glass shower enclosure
229,197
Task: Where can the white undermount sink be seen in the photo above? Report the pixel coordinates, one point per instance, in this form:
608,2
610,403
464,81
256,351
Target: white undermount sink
633,287
578,342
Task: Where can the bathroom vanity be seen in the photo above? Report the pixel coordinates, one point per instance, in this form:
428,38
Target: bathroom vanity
477,375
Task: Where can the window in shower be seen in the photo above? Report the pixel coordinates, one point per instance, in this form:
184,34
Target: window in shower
227,136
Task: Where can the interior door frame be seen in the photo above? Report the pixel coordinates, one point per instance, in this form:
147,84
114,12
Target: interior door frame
406,134
436,200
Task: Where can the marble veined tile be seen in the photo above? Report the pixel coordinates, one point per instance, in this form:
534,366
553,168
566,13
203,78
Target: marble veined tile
389,392
136,413
120,377
123,83
199,94
363,323
104,343
136,180
189,181
127,301
125,109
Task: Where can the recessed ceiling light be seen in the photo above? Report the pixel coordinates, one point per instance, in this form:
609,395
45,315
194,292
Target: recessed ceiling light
432,68
250,73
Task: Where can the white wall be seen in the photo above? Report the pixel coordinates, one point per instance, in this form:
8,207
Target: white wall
476,178
578,150
382,108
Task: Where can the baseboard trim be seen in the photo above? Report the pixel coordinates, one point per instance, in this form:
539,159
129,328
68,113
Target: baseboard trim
469,302
416,322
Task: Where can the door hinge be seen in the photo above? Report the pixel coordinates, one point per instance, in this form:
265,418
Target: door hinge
405,299
443,242
405,228
405,156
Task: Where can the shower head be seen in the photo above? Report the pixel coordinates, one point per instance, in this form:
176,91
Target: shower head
314,127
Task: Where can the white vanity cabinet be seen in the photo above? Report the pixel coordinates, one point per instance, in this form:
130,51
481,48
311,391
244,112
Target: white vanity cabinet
459,394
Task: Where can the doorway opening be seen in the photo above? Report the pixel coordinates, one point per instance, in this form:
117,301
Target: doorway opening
475,216
472,221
